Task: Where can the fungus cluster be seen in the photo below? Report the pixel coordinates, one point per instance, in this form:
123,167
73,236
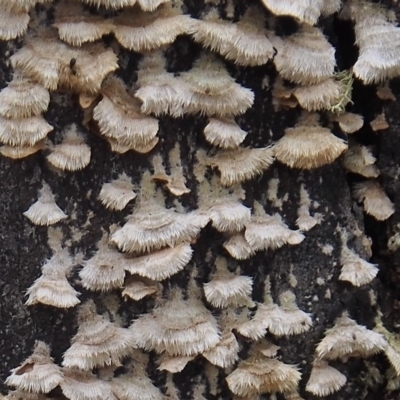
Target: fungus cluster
135,259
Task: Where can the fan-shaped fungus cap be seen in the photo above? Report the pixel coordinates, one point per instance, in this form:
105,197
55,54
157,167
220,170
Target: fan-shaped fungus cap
119,117
159,91
136,288
174,364
134,386
324,379
53,63
385,93
348,339
76,27
145,32
349,122
229,216
303,10
241,164
305,57
379,123
375,201
145,5
227,289
262,375
45,211
244,43
53,288
270,232
212,91
283,320
104,271
152,226
356,270
238,247
116,194
83,385
177,327
13,22
24,131
224,133
23,98
360,160
19,152
98,342
72,154
376,37
38,373
160,265
165,227
308,147
20,5
225,353
320,96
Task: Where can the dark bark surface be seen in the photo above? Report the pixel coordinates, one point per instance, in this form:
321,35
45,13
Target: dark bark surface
24,248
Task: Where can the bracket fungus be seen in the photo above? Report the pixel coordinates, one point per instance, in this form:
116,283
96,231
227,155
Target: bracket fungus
259,374
135,385
104,271
226,288
72,154
84,385
356,270
324,379
45,211
224,133
241,164
359,159
119,117
269,231
306,57
145,5
136,288
23,98
212,91
76,27
152,226
47,60
52,287
238,247
177,327
38,373
223,205
143,32
116,195
164,95
374,199
225,353
244,42
284,320
348,339
308,146
160,265
376,37
98,342
158,90
303,10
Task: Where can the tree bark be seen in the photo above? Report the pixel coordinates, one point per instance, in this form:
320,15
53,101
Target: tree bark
308,269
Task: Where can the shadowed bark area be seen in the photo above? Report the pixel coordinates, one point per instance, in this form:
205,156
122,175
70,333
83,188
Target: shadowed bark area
310,269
